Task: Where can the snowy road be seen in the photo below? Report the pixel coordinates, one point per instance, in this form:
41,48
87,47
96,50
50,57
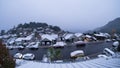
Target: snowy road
90,49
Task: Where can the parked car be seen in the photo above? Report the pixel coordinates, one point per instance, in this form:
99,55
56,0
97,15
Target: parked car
18,56
77,53
28,56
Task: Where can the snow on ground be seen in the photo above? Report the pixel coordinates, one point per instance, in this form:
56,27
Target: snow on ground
20,62
94,63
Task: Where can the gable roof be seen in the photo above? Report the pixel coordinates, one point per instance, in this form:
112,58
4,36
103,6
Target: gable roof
49,37
68,36
78,34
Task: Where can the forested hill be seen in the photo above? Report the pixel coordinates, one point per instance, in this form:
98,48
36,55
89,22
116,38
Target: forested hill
35,26
113,25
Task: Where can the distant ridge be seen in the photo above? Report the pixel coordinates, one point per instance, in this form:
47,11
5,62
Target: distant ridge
110,26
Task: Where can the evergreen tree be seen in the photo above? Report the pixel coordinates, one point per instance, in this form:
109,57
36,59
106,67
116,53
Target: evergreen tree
54,54
6,61
56,28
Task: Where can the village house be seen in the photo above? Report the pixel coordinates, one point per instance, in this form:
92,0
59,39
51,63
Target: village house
69,38
48,39
78,36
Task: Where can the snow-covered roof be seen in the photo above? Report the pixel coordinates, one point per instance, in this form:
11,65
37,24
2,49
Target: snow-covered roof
31,43
59,44
74,53
35,45
0,37
5,36
14,35
78,34
79,42
95,63
49,37
11,40
68,36
106,34
19,39
24,38
102,34
28,37
99,35
88,36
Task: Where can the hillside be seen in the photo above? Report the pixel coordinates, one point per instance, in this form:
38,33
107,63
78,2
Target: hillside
113,25
35,26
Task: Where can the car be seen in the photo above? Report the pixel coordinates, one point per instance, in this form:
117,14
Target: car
18,56
77,53
29,56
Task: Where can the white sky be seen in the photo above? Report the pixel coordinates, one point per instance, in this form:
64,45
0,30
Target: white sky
72,15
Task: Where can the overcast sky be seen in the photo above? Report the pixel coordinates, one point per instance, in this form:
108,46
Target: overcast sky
72,15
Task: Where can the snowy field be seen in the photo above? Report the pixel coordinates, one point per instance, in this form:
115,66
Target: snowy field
109,62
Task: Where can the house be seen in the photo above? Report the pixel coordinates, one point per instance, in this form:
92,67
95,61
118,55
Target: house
5,38
69,38
28,38
79,36
11,41
61,36
48,39
87,38
19,41
100,36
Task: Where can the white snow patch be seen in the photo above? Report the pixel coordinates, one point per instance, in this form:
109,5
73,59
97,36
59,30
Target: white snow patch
95,63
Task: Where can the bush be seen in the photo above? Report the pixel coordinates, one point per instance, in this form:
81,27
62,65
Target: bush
54,54
6,61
